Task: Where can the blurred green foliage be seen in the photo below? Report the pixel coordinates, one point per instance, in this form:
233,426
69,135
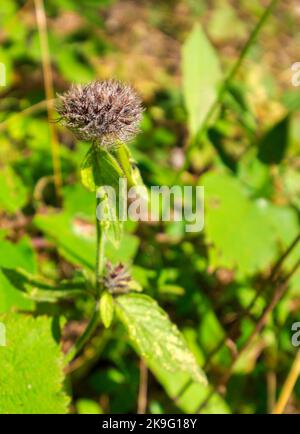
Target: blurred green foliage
175,54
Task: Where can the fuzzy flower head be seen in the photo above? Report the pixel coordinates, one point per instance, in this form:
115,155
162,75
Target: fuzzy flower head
103,112
117,278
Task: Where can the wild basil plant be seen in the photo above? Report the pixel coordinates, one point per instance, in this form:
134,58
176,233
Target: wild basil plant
107,115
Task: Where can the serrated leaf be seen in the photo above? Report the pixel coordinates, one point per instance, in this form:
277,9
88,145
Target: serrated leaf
201,76
31,367
156,338
100,168
106,308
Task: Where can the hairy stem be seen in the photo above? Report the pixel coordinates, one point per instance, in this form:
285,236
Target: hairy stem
99,267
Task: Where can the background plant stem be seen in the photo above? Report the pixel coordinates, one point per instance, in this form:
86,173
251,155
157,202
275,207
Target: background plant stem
227,81
288,385
48,84
232,73
143,388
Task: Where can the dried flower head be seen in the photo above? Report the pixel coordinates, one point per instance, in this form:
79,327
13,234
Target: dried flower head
117,278
102,111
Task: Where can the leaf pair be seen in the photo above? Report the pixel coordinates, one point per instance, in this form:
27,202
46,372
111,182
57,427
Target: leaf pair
101,168
151,331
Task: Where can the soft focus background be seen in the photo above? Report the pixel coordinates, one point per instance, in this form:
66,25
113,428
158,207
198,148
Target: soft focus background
222,286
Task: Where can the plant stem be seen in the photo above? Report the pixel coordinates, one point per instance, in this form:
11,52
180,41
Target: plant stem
89,330
99,266
288,385
27,111
224,87
142,397
237,65
48,84
261,322
244,312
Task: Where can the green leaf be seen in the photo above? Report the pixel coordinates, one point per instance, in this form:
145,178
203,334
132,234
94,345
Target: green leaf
285,223
79,247
19,254
241,237
88,406
291,184
13,194
100,168
217,139
123,157
210,331
201,76
236,100
154,335
273,145
77,201
106,308
31,367
188,394
110,218
72,65
14,255
255,174
128,165
225,25
40,289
